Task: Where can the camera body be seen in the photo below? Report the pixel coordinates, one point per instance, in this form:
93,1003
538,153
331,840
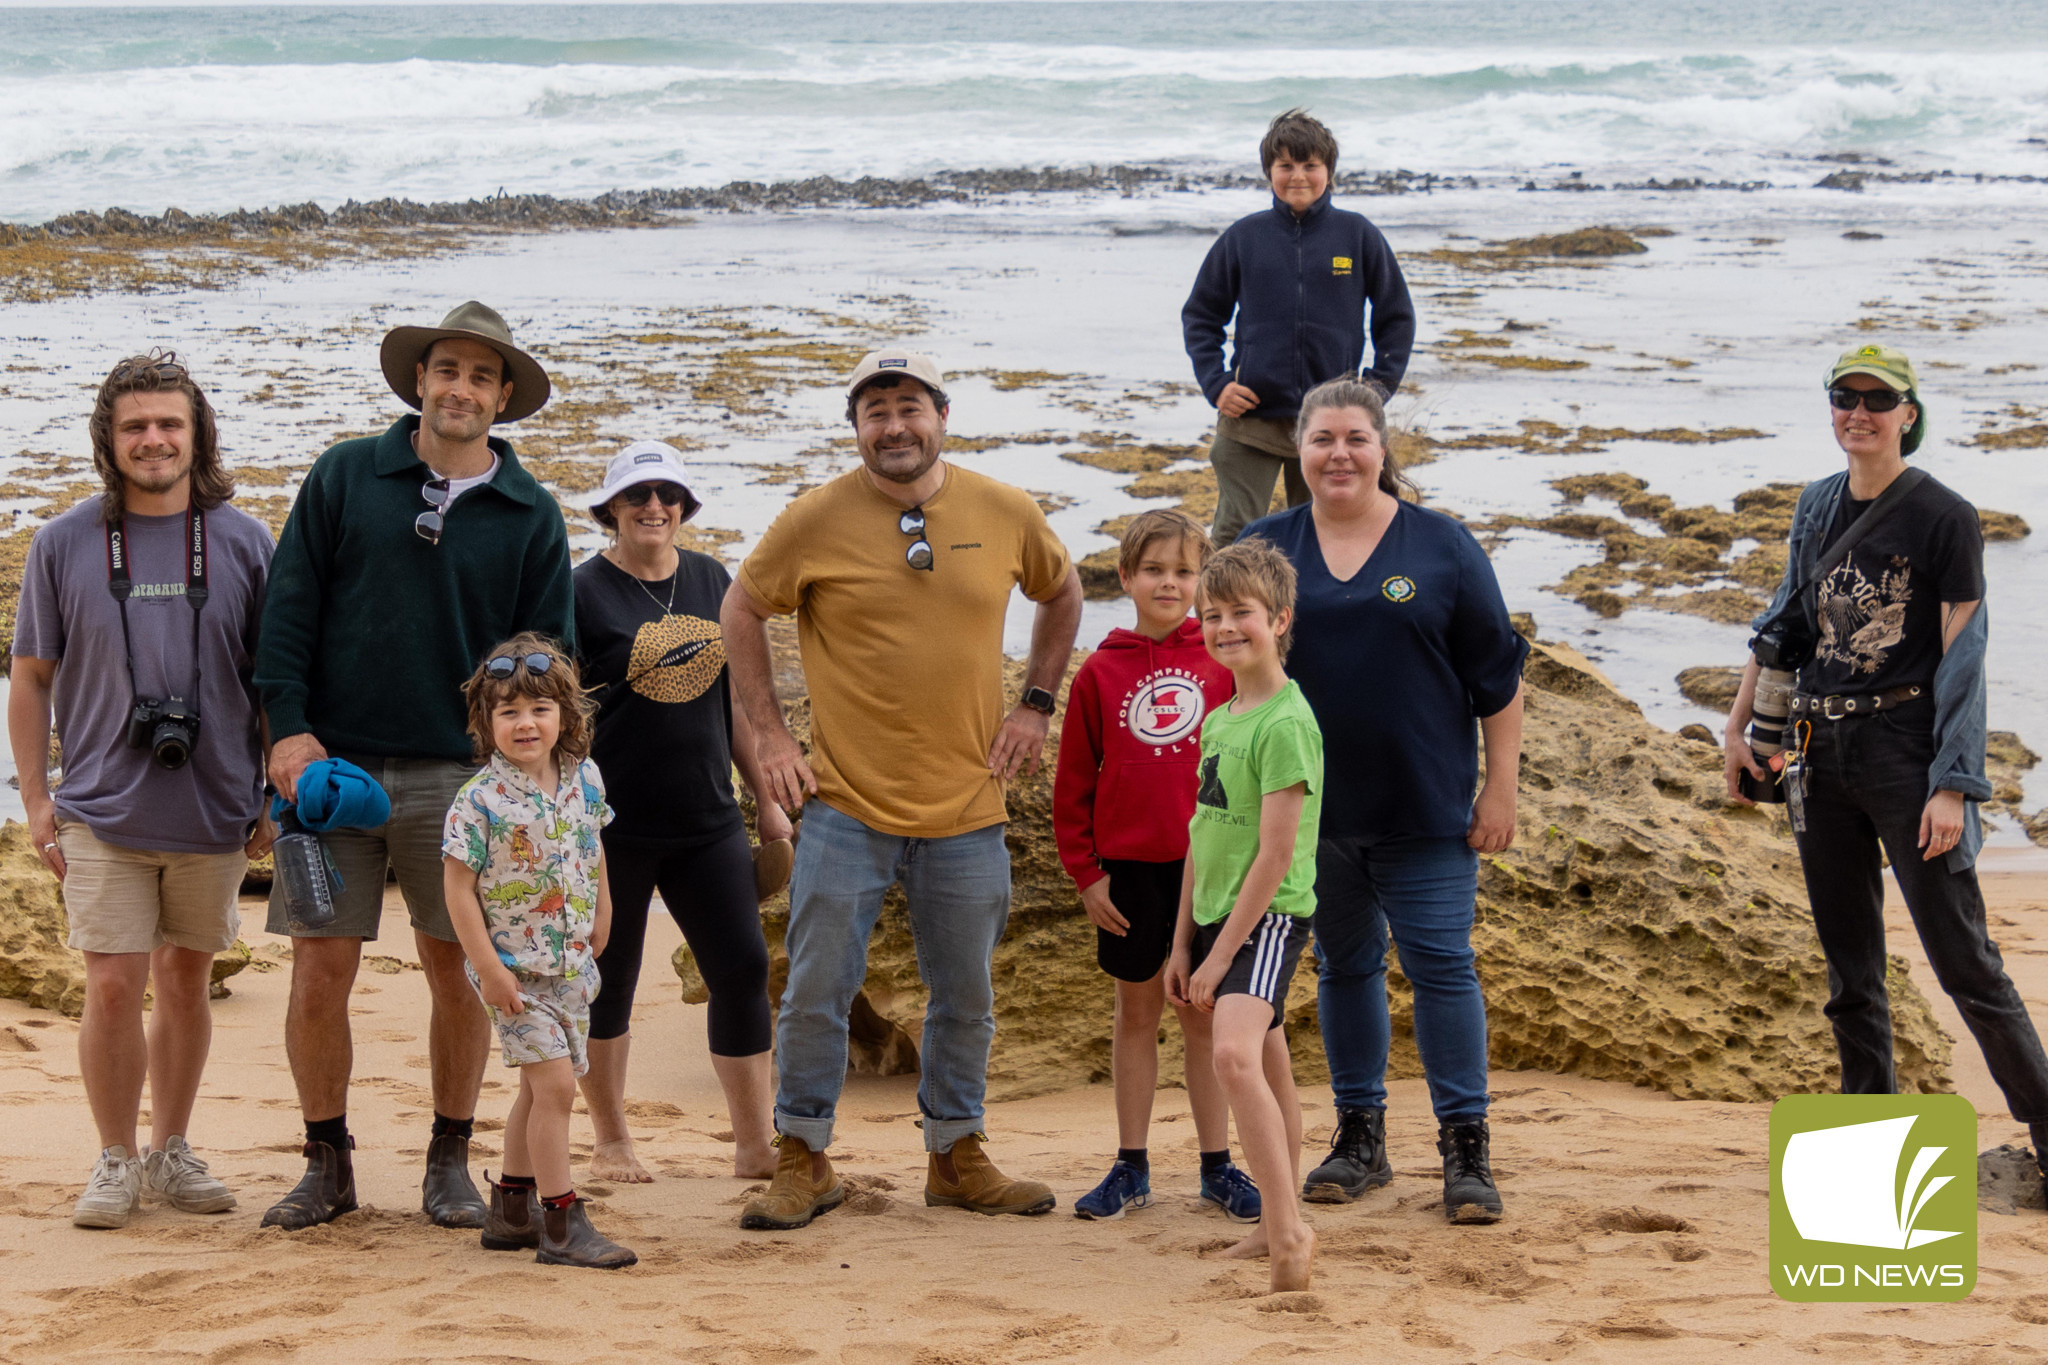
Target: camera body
1781,649
168,728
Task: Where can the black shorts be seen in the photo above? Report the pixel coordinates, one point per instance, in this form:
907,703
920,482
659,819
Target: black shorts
1148,895
1264,965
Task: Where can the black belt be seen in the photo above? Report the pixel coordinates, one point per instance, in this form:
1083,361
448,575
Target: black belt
1862,704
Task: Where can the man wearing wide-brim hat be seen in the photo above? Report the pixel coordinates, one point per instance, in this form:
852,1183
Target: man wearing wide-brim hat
406,557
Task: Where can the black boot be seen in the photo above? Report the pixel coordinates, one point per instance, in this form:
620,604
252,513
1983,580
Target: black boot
566,1238
1357,1161
447,1194
325,1192
510,1224
1469,1192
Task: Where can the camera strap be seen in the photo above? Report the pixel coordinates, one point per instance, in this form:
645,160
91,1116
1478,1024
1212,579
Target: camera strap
1895,493
120,583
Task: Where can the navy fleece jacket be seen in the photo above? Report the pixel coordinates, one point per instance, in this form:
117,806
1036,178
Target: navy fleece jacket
1305,291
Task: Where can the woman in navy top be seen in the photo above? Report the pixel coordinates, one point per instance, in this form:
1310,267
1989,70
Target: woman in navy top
1401,644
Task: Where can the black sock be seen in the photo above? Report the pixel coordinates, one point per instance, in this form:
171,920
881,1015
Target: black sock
333,1132
1213,1162
519,1182
447,1127
1134,1156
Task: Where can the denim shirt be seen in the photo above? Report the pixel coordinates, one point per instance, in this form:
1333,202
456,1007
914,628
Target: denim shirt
1960,712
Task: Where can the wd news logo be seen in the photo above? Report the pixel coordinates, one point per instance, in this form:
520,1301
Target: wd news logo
1873,1198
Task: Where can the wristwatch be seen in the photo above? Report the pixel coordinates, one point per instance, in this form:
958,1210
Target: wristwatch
1038,699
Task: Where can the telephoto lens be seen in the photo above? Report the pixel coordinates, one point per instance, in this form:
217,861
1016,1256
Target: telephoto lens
1770,708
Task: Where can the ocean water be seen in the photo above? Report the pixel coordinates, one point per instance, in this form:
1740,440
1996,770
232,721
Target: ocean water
221,107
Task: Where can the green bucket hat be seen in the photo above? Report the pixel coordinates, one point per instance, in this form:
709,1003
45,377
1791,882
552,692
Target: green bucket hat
1890,365
405,347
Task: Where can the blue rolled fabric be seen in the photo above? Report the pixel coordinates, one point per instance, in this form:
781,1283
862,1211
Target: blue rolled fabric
335,794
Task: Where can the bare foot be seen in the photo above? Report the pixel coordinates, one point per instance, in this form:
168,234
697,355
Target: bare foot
615,1161
1294,1261
1251,1247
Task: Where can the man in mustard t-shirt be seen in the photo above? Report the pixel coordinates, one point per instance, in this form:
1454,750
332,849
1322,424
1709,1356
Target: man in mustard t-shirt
900,574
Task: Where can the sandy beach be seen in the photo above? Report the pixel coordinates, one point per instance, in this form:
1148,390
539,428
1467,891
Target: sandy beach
1635,1229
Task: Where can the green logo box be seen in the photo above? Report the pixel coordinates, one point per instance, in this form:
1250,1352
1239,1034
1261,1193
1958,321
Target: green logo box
1873,1198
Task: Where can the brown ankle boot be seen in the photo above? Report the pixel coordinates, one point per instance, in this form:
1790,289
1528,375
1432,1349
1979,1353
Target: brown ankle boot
566,1238
447,1195
980,1186
325,1192
509,1224
794,1197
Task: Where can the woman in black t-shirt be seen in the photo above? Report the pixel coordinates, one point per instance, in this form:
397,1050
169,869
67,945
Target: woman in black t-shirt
1888,729
667,738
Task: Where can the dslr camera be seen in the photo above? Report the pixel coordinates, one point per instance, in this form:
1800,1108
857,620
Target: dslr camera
1781,649
168,728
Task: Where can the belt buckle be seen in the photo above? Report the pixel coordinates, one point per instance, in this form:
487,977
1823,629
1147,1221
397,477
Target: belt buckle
1827,708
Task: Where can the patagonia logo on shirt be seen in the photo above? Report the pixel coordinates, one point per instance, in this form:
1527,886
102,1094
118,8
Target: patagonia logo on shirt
1340,265
157,590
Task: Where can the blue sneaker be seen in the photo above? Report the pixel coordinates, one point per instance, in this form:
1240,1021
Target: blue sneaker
1125,1187
1232,1190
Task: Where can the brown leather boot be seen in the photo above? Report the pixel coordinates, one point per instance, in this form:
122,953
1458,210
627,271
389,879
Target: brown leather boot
510,1225
794,1197
325,1192
566,1238
980,1186
447,1194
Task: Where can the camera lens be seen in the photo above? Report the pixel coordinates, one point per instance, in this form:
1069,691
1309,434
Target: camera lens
171,744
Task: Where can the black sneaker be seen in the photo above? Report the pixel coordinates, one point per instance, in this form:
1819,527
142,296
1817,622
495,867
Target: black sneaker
1357,1160
1469,1192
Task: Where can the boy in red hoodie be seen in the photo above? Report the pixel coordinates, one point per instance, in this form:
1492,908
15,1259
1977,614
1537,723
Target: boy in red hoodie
1122,800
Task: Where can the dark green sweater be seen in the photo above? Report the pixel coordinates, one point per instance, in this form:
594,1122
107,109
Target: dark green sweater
369,631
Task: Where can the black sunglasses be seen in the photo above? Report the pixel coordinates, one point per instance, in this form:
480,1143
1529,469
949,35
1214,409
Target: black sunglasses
1873,400
164,367
671,494
504,665
919,554
428,525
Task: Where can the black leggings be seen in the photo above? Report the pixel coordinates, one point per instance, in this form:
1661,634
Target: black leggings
709,891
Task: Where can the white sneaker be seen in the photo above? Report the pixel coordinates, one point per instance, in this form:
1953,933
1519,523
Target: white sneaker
176,1177
110,1196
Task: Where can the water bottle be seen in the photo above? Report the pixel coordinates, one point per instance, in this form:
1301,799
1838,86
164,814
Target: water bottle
307,875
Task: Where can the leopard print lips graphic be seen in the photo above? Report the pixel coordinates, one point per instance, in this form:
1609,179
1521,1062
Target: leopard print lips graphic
676,659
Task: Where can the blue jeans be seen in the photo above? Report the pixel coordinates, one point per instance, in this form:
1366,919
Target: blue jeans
959,894
1423,890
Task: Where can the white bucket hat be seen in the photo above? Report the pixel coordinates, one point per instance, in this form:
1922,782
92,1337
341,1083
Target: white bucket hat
646,462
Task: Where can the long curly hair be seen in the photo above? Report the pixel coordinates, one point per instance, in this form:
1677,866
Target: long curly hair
559,684
158,372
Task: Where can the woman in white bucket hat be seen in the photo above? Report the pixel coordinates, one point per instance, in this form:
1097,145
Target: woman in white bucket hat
667,738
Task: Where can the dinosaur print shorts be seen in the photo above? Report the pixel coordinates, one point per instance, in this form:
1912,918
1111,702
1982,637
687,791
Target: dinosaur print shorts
554,1021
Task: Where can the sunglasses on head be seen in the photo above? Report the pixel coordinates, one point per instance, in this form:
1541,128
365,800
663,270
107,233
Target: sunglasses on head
1873,400
163,368
671,494
504,666
919,552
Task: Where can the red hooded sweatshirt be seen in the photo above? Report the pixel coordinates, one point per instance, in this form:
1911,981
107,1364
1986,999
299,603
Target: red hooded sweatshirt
1130,747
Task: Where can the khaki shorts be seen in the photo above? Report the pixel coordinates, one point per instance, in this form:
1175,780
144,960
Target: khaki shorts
407,845
132,900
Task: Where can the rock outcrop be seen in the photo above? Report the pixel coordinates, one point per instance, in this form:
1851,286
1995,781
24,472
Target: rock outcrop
35,964
1640,929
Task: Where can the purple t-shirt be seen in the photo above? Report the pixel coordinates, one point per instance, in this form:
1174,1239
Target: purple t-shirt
68,615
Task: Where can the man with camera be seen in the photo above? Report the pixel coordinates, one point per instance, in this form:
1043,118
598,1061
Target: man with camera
138,621
1864,702
407,555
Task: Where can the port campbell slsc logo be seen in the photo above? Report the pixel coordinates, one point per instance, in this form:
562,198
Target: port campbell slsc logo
1399,588
1164,709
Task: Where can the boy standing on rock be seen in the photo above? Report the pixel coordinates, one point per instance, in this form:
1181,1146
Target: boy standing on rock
1306,281
1121,805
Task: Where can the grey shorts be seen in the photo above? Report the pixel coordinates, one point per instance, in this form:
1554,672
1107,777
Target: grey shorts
408,844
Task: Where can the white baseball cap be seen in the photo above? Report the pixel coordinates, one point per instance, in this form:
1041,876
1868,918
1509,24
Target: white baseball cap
645,462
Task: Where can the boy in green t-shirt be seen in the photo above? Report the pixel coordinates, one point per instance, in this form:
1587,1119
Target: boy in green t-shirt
1249,888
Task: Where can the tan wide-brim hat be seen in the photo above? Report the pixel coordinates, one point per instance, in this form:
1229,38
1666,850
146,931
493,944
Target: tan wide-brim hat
405,347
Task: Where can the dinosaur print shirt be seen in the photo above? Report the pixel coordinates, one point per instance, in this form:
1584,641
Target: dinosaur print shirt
535,854
1879,613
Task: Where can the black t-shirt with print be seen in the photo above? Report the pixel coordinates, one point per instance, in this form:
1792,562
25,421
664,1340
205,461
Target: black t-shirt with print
664,721
1879,612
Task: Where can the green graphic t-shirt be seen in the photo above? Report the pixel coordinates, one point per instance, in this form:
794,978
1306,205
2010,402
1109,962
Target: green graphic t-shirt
1266,749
